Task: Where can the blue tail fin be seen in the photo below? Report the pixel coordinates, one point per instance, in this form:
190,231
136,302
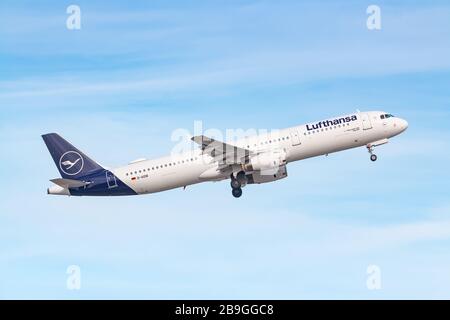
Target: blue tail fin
71,162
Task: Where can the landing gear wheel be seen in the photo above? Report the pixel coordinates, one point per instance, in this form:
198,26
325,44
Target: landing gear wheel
235,184
237,192
373,157
241,177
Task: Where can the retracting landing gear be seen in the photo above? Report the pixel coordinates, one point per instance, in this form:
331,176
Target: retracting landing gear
373,156
237,183
237,192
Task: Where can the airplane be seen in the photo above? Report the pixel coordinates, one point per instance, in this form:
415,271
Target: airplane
251,160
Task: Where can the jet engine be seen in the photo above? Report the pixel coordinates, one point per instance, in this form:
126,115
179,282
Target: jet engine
268,161
264,176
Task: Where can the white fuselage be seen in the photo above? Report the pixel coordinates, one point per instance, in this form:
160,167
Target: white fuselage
300,142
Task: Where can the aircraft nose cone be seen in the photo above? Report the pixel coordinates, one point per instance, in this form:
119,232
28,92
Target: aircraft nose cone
403,124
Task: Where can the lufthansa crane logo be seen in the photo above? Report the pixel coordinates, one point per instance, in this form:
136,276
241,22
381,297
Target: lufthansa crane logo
71,163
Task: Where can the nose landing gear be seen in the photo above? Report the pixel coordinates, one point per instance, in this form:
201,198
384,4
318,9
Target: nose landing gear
373,156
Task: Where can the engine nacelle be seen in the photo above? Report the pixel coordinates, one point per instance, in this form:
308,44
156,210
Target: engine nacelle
264,176
268,161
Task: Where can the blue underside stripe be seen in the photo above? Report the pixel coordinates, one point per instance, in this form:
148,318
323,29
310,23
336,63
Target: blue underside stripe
102,183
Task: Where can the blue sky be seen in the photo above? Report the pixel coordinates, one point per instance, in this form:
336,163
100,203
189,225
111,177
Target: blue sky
133,74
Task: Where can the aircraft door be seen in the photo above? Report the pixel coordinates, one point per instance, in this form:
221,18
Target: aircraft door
295,137
366,123
111,180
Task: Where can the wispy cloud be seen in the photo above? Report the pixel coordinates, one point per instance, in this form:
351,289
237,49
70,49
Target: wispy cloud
236,54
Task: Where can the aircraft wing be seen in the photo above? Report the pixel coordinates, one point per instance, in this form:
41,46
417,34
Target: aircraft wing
224,153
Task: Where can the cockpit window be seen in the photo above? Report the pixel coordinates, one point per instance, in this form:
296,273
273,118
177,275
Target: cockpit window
385,116
382,116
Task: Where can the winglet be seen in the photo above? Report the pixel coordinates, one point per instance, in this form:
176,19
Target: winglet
204,141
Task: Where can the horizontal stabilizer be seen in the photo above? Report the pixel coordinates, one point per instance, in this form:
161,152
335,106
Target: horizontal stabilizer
69,183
